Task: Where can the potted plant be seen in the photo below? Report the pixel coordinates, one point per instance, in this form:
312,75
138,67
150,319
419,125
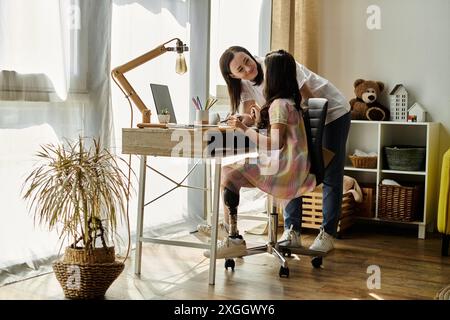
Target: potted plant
81,192
164,116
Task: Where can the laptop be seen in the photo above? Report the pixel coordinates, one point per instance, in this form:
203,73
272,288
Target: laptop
162,99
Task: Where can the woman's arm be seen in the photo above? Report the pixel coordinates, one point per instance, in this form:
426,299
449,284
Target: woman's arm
306,92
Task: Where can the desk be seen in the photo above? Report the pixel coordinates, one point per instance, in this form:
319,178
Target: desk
207,144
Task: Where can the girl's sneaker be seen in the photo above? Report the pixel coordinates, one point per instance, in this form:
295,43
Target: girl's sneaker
229,248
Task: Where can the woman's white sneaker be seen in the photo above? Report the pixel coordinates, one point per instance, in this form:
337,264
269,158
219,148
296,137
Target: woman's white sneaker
323,242
291,238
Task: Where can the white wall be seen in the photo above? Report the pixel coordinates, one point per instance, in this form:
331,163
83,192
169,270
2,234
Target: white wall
412,47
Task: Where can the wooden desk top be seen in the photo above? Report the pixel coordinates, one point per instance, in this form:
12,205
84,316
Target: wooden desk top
185,143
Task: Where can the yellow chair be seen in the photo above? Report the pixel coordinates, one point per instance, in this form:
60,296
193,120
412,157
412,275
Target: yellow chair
444,204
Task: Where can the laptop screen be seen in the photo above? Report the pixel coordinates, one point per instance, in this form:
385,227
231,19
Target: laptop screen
161,97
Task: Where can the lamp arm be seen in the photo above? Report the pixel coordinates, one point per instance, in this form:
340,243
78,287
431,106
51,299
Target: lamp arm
118,75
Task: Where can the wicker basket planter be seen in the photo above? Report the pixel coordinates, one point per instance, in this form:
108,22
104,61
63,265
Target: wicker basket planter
399,203
87,274
405,158
364,162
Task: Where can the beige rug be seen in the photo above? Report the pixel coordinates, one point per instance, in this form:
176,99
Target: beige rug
443,294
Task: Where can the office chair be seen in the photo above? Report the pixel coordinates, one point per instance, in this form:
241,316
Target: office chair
314,116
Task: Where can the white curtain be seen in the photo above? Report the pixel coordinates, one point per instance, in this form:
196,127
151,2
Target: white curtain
139,26
67,42
35,39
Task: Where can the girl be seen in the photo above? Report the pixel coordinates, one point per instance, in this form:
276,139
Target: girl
286,145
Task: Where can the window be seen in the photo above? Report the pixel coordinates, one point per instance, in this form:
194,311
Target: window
51,60
236,22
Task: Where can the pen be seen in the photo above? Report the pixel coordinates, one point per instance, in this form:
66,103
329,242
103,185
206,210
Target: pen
228,118
199,103
195,104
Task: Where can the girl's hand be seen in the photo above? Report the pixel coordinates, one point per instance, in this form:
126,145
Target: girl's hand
235,121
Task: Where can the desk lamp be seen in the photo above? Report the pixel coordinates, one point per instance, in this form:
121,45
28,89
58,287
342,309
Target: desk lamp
118,75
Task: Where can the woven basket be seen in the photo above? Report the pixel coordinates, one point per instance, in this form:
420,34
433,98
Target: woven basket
399,203
405,158
87,274
82,256
364,162
86,281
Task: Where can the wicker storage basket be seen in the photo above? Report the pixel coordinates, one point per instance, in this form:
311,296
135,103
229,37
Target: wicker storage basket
400,203
364,162
405,158
312,210
87,274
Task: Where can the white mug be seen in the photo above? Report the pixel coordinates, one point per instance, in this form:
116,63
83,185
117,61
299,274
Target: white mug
201,117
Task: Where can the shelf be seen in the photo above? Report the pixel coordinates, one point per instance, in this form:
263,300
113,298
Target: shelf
373,136
350,168
391,221
392,122
417,173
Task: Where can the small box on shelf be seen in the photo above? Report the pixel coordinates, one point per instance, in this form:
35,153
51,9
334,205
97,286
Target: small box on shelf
366,208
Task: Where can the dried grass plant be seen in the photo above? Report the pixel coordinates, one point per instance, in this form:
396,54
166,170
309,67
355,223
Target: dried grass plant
81,191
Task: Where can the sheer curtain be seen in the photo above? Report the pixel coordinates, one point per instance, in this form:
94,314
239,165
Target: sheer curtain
55,56
38,42
138,27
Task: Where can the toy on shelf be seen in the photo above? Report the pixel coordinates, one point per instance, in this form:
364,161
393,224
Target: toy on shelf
417,113
399,103
366,106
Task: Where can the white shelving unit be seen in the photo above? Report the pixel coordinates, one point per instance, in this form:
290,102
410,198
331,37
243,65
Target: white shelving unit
373,136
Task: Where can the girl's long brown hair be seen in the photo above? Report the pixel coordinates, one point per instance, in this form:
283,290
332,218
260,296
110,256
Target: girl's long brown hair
280,82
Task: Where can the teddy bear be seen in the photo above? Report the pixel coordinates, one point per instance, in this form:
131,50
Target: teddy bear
365,106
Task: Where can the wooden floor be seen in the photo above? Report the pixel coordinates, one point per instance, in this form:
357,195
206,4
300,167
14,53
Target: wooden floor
410,269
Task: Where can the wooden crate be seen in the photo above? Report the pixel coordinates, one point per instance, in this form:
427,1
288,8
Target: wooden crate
366,208
312,211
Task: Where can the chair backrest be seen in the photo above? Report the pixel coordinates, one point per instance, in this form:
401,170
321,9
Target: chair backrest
314,116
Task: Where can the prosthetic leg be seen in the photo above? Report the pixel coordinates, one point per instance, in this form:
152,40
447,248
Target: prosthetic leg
231,201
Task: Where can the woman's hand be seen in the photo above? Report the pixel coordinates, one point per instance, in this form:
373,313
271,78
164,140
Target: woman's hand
236,122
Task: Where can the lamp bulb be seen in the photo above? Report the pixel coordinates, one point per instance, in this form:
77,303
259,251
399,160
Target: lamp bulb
180,66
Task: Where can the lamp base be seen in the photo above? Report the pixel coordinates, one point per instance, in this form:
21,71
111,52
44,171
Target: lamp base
152,125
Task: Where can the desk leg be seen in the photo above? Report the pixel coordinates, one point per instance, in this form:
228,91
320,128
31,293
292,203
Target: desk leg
208,185
214,222
140,215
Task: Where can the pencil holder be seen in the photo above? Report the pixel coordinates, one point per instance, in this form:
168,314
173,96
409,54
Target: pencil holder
201,117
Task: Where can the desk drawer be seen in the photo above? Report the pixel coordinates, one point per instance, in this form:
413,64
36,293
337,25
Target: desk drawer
185,143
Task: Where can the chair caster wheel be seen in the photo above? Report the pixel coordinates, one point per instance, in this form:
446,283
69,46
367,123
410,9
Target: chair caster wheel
316,262
229,263
286,253
284,272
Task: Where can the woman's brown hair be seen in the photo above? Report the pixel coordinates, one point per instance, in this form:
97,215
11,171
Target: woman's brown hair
233,84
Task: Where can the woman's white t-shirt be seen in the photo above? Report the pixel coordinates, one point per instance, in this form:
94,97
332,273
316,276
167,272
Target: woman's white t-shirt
319,87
